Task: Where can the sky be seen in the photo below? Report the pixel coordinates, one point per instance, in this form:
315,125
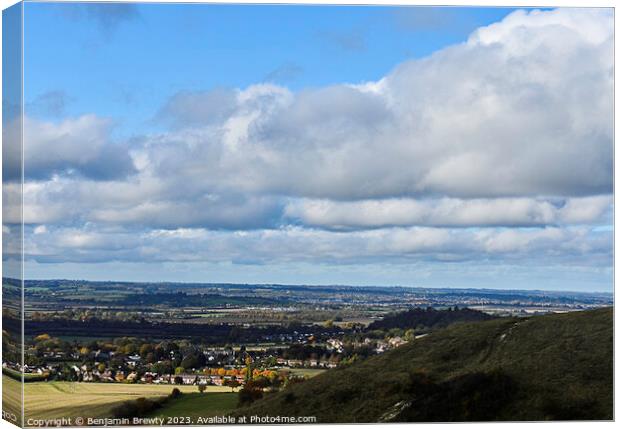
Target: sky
420,146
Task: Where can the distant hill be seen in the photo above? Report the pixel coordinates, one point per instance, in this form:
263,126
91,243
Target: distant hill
428,318
551,367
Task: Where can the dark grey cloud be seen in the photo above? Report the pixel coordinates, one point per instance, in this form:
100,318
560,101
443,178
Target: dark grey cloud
283,74
432,19
201,108
353,40
51,103
79,147
108,16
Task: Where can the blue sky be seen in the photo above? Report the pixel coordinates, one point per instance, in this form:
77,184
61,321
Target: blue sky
463,147
127,67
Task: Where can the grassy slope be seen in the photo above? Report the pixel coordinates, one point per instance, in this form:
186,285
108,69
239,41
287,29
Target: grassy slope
199,405
559,367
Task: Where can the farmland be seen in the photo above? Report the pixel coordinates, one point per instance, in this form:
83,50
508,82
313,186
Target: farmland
11,396
307,372
65,399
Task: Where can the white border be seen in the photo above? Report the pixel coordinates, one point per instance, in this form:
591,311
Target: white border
513,3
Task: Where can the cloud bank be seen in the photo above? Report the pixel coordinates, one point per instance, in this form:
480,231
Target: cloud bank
496,149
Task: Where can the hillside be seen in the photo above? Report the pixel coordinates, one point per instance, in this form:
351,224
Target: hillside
552,367
422,319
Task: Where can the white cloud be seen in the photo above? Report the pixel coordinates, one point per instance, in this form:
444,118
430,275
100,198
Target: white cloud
524,108
512,128
78,146
293,244
41,229
448,212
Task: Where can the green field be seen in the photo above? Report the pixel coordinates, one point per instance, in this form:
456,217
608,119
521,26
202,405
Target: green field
199,405
64,399
307,372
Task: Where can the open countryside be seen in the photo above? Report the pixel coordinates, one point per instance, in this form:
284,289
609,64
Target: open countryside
57,399
545,367
376,221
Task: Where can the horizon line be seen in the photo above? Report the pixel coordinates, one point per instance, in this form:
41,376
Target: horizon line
162,282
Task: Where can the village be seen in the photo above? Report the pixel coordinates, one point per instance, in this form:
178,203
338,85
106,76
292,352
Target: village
182,364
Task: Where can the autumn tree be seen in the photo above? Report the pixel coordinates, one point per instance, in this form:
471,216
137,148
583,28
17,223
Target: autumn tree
42,337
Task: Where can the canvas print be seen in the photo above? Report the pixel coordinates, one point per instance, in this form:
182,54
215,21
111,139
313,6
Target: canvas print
292,214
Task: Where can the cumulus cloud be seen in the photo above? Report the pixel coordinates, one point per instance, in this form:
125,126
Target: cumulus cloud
140,202
450,212
294,244
76,146
498,149
523,108
198,108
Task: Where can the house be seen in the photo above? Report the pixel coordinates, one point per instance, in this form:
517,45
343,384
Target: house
396,342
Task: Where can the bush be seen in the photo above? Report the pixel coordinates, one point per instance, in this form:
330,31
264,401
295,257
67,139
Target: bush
249,393
138,408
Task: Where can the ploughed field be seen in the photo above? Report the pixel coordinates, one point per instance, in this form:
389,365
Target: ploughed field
57,399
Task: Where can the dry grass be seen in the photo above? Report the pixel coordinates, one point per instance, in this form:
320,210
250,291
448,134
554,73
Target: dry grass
56,399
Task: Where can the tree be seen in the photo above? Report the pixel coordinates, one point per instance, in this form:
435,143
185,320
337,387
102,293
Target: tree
129,349
233,384
42,337
164,367
145,349
409,335
179,370
101,367
249,393
190,361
